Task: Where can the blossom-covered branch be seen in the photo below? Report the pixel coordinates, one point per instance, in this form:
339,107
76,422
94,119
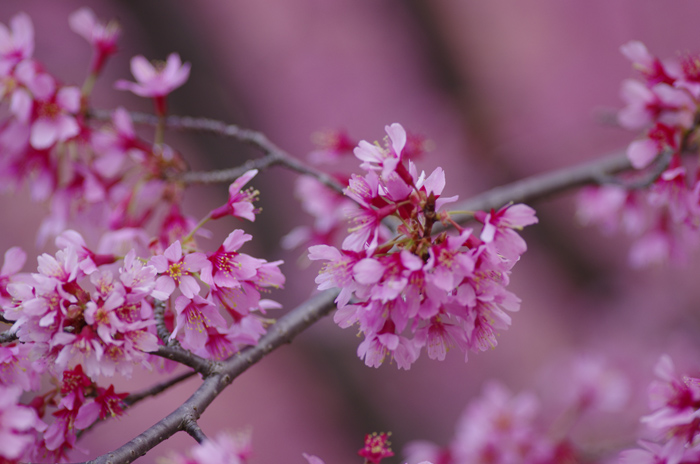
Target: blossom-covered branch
283,331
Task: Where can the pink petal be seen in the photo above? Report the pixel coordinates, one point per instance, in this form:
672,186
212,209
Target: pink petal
642,152
235,240
15,258
67,127
142,69
238,184
637,52
23,33
488,232
87,414
160,262
165,286
195,261
44,133
21,105
68,98
368,271
122,121
189,286
82,22
397,134
173,252
324,252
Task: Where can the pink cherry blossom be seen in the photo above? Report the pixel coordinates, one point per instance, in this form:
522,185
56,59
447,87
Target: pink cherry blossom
226,267
107,404
102,37
176,272
115,144
386,159
499,229
55,121
240,203
332,145
17,43
155,81
194,316
651,67
377,447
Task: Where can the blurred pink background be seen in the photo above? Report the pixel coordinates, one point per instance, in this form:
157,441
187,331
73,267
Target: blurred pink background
505,89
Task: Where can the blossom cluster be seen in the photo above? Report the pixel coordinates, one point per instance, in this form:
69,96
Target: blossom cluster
500,426
406,287
91,309
674,422
664,216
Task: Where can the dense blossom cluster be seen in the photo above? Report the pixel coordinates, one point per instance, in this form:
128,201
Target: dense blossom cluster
88,312
407,288
664,218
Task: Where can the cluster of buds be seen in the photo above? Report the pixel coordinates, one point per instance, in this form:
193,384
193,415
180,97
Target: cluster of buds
409,288
664,218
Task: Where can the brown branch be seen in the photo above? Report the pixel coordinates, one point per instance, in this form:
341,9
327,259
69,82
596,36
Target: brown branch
273,154
545,185
193,429
8,337
159,316
178,354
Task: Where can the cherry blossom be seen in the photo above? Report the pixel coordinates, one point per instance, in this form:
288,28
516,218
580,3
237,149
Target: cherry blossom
377,447
176,272
17,42
102,37
240,203
156,81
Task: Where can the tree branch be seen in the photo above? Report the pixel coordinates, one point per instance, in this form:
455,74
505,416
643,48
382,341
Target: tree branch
193,429
274,155
7,337
176,353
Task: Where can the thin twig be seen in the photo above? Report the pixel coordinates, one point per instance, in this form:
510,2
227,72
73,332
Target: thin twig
274,155
541,186
193,429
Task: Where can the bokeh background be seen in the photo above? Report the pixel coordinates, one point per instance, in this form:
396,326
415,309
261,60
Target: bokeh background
504,89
